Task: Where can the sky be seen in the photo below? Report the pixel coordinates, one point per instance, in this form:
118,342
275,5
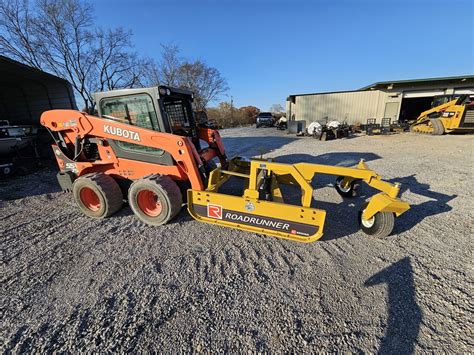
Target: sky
268,50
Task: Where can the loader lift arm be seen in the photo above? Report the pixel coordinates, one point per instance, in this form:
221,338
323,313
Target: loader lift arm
74,127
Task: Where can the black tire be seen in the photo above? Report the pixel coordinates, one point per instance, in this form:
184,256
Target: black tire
97,195
438,128
379,226
163,191
350,191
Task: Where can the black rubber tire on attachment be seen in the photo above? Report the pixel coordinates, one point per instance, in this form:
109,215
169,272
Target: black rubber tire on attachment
167,194
379,226
351,191
103,189
438,128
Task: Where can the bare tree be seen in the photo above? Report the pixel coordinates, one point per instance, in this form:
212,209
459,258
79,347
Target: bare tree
18,38
169,65
61,38
276,108
115,67
206,82
64,28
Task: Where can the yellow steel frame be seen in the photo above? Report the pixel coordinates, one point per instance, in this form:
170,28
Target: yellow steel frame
300,174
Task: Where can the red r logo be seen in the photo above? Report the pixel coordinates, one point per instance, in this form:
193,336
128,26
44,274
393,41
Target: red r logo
214,211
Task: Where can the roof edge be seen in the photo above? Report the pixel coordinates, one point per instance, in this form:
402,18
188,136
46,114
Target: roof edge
27,67
446,78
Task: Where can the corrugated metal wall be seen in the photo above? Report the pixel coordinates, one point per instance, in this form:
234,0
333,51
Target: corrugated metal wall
24,104
358,106
352,107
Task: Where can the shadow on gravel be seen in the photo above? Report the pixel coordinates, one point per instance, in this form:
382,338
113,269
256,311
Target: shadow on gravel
345,159
254,146
41,182
437,204
341,218
404,314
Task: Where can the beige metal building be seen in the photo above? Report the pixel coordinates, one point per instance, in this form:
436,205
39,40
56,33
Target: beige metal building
399,100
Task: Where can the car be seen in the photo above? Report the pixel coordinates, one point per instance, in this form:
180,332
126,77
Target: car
265,119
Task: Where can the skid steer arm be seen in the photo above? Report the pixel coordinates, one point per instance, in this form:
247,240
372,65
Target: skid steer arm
75,126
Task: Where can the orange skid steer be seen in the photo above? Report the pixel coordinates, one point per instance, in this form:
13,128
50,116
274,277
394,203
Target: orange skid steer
146,148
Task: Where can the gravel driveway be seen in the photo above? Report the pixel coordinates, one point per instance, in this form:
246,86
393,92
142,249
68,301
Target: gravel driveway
70,283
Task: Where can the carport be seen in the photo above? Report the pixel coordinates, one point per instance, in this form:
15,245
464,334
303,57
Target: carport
26,92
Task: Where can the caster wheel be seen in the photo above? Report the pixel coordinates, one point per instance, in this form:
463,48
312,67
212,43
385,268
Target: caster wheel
379,225
347,191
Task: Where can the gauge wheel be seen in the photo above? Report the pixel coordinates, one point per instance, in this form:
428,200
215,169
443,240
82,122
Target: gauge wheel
379,225
348,191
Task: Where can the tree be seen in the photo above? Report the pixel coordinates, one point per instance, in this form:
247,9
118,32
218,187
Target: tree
250,113
206,82
61,38
167,71
276,108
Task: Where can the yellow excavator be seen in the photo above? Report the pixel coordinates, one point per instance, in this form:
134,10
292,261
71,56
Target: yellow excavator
456,115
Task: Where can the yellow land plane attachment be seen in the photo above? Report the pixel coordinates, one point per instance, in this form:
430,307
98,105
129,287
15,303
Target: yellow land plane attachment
262,207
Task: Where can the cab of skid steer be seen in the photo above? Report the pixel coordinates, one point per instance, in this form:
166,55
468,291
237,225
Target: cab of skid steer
160,108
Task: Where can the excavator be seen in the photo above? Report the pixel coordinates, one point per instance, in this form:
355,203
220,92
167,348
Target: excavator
145,147
451,114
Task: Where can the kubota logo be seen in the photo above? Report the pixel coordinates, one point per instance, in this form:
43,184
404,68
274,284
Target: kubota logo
125,133
214,211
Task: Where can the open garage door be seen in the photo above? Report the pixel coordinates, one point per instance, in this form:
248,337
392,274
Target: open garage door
424,93
464,91
415,102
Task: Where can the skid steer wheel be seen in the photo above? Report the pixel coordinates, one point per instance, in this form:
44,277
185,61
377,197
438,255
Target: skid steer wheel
155,199
98,195
379,226
348,191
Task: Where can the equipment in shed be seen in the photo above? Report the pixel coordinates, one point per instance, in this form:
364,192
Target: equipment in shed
18,147
456,115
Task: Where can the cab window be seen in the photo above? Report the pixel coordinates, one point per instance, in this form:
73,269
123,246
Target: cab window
136,110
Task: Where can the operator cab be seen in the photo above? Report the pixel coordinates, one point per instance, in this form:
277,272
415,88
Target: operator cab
161,108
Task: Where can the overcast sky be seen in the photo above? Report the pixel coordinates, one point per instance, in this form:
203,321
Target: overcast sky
269,49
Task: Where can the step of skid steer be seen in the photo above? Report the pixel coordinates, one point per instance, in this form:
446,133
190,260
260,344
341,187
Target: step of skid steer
296,223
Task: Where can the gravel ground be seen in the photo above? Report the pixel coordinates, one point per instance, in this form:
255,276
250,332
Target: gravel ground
70,283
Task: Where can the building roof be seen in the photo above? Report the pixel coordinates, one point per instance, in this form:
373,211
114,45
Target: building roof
418,81
411,82
15,72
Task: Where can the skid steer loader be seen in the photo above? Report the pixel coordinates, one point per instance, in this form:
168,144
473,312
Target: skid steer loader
146,148
456,115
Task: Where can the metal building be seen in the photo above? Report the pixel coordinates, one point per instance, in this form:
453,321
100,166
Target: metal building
26,92
399,100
